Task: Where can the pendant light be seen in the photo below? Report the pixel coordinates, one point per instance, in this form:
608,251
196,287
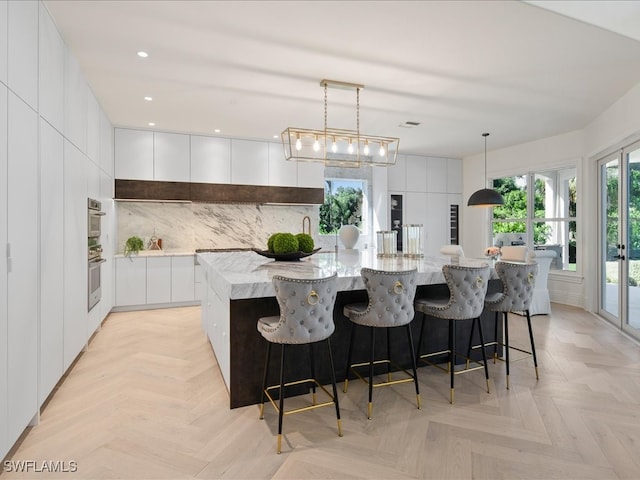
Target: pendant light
485,197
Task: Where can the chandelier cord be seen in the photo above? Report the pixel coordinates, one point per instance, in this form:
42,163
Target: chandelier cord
325,112
358,112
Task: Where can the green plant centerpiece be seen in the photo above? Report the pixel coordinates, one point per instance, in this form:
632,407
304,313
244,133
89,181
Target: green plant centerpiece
133,245
285,243
305,242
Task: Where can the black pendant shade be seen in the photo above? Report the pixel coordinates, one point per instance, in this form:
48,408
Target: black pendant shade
485,197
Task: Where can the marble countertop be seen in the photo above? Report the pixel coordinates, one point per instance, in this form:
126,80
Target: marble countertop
159,253
240,275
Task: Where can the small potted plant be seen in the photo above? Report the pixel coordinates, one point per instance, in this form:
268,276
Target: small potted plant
133,245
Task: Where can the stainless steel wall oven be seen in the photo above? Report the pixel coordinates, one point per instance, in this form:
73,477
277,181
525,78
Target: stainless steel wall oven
94,248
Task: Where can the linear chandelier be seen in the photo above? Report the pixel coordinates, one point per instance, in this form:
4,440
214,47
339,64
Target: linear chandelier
339,147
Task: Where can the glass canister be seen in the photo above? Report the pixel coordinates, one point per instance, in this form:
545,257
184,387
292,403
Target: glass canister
412,237
387,243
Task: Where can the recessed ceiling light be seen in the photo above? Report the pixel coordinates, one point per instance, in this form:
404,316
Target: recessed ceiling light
143,54
148,99
217,130
276,136
151,124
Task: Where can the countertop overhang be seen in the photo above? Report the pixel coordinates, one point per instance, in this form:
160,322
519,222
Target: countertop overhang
241,275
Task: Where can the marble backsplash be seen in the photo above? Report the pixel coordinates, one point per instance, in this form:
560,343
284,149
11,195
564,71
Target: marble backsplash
188,226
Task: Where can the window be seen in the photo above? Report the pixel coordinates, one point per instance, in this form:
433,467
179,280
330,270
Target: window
539,209
344,204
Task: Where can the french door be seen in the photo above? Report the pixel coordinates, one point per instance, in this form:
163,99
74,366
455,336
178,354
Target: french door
619,246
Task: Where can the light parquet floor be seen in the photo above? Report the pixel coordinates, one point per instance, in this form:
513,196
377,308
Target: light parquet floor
146,401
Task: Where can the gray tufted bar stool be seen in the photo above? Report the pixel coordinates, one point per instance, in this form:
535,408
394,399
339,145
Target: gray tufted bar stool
390,304
518,282
467,291
306,317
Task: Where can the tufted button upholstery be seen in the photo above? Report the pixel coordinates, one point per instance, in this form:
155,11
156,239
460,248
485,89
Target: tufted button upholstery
467,290
518,282
306,317
306,310
391,296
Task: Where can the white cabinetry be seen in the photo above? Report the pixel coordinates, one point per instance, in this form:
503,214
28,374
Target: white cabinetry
106,146
133,154
51,71
4,339
93,128
75,103
158,280
283,173
75,252
454,175
131,281
415,208
3,51
23,50
171,157
437,231
210,159
416,173
22,264
51,259
436,175
154,280
182,279
397,175
249,162
216,316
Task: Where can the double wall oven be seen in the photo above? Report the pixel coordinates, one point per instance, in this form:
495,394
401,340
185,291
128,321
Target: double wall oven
95,260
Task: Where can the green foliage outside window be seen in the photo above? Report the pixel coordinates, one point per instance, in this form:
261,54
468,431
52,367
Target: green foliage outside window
342,206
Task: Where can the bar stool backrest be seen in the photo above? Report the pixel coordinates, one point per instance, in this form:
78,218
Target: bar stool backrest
391,296
306,309
518,281
467,288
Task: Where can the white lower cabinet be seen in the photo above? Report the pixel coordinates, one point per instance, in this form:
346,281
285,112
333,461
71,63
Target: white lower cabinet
131,281
154,280
158,280
182,279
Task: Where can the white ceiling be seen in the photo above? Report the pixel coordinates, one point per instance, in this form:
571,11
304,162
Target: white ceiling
460,68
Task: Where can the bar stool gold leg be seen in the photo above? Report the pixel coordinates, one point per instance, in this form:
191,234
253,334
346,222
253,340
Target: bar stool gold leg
279,444
369,410
451,396
339,427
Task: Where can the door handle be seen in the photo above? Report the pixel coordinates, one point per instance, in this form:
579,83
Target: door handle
619,257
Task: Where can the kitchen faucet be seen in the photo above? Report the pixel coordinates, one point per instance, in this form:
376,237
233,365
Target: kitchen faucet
306,219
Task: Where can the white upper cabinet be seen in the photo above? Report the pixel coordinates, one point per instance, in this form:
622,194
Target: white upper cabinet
436,175
22,64
93,128
75,103
210,159
415,208
171,157
106,145
454,175
416,173
51,71
437,231
249,162
397,174
3,47
283,173
133,154
310,175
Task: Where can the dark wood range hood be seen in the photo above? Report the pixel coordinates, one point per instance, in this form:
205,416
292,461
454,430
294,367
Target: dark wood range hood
215,192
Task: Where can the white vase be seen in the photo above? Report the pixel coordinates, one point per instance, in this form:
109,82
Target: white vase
349,235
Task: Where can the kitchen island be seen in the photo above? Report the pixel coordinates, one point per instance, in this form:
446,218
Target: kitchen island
239,291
